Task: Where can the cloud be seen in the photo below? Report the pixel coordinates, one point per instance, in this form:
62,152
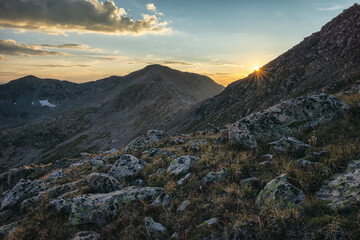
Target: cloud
61,65
11,47
331,8
175,63
66,46
151,7
54,16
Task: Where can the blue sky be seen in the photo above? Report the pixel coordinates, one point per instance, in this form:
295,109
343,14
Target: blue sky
90,40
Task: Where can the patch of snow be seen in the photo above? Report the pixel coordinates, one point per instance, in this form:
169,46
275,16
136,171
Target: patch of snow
46,103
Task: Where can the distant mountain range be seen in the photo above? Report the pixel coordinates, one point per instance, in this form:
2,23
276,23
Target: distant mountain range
46,120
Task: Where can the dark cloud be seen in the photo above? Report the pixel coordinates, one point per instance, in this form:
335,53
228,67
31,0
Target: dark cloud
11,47
75,15
66,46
175,63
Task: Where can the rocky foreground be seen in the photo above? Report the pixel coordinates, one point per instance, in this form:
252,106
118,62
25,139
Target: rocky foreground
291,171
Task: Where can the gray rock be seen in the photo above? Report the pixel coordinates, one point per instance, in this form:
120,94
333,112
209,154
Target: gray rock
24,189
154,151
267,157
306,163
98,208
211,222
111,151
183,205
280,193
223,128
102,183
154,229
166,201
181,165
250,181
145,141
316,156
342,190
175,235
265,163
86,235
137,182
96,162
161,171
285,119
184,179
214,177
127,165
290,146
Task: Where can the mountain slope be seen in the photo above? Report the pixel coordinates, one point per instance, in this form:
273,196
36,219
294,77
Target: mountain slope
98,115
327,61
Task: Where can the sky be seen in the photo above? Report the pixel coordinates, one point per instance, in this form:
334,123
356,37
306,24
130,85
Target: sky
86,40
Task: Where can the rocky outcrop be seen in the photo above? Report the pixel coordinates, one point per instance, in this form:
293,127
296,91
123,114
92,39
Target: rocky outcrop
127,165
145,141
102,183
98,208
343,190
24,189
281,193
285,119
181,165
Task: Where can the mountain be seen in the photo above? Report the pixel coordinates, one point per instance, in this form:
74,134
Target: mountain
327,61
64,118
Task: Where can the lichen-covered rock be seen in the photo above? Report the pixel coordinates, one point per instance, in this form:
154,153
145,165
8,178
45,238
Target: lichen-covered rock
51,193
24,189
291,146
86,235
102,183
280,193
154,229
342,190
181,165
127,165
98,208
285,119
61,204
211,222
214,177
145,141
96,162
316,156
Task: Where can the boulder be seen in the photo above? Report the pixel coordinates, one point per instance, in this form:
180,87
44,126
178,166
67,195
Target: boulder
98,208
127,165
291,146
154,229
24,189
145,141
181,165
343,189
86,235
285,119
102,183
211,129
214,177
184,179
280,193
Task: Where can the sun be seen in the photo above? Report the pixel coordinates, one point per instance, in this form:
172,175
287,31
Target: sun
256,69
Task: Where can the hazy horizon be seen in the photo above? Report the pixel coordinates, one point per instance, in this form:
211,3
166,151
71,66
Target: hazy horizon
90,40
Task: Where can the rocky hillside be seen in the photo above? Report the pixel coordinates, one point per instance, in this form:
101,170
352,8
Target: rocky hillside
327,61
288,172
67,118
